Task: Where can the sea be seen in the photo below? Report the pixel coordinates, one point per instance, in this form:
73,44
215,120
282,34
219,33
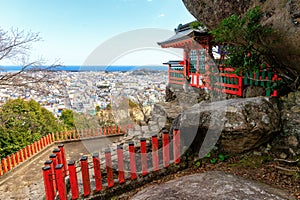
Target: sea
77,68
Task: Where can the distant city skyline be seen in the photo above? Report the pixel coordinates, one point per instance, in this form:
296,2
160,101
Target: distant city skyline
72,30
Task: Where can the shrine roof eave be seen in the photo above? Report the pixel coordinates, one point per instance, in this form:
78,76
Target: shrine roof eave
182,39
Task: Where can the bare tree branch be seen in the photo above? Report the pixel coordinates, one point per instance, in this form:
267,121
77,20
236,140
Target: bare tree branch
15,45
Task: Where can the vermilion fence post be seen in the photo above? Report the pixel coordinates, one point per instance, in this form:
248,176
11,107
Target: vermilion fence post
42,143
57,136
97,172
25,153
53,157
144,156
119,130
50,138
176,145
8,163
73,179
155,160
39,145
32,149
28,151
63,156
13,160
18,157
121,175
50,195
166,149
52,175
4,165
78,134
53,137
35,147
61,135
46,142
1,171
60,180
132,160
58,155
21,155
85,176
109,170
104,131
100,131
74,134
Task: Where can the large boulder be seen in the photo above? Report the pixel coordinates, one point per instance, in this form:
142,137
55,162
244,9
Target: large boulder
289,140
237,125
282,15
211,185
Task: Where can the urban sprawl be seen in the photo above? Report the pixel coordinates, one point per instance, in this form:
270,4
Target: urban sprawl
86,91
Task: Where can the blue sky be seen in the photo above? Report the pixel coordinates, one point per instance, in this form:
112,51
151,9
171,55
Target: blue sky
72,29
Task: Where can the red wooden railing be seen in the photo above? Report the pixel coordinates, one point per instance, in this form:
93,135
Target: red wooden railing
14,160
109,181
226,81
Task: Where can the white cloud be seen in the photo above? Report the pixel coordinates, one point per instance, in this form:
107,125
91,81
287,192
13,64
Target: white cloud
161,15
149,0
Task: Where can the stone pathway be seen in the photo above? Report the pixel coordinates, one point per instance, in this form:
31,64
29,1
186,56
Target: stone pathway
26,181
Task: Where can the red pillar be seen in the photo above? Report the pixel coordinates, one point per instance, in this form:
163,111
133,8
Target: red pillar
60,179
144,157
109,170
48,184
53,157
8,163
4,165
97,172
73,179
17,157
28,151
85,176
121,175
104,132
176,146
13,160
58,155
63,156
21,155
1,171
52,174
39,145
32,149
42,143
155,161
119,130
25,153
74,134
53,137
57,136
35,147
132,160
166,149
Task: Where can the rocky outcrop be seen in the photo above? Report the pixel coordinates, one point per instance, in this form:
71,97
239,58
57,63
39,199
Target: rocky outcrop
238,125
282,15
211,185
289,141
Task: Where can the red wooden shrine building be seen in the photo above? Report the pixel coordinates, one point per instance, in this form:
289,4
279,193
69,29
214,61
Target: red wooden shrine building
200,68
